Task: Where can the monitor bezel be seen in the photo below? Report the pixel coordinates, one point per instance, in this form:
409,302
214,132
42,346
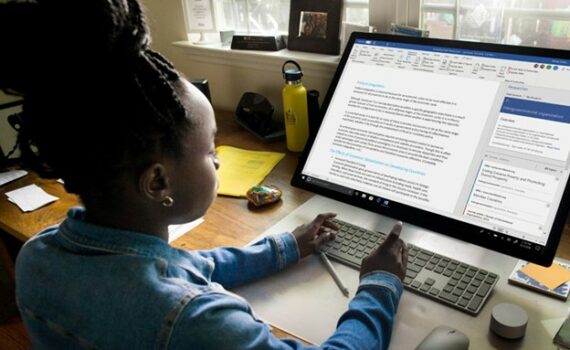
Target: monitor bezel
451,227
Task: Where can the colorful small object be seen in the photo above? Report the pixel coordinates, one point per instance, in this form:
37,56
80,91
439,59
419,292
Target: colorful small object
262,195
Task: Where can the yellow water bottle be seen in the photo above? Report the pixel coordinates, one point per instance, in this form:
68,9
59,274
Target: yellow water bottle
295,109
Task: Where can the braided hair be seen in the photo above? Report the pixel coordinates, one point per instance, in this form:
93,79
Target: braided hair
97,109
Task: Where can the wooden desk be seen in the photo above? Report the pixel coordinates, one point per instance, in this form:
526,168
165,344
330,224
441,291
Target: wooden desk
230,221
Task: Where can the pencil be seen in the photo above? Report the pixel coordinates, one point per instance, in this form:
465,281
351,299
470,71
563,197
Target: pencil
333,273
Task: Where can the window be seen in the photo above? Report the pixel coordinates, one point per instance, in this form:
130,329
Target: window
544,23
253,16
272,16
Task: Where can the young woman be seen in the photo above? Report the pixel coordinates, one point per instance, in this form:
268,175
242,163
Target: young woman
139,152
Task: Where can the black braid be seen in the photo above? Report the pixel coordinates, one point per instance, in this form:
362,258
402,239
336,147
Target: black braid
159,77
115,130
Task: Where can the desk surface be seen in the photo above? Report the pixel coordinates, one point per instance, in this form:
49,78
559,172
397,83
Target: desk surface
230,221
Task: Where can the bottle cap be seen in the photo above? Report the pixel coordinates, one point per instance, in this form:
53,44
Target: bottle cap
292,74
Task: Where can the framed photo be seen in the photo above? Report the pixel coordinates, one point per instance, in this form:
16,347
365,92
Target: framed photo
199,16
314,26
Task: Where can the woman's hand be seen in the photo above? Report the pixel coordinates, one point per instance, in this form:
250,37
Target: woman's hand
390,256
310,237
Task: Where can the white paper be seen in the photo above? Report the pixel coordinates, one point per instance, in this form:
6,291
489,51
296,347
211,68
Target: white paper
175,231
200,15
30,197
11,175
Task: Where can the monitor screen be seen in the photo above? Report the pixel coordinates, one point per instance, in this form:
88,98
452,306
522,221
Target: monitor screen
466,139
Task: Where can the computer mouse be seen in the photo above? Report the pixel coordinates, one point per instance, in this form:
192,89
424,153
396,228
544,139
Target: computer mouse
444,338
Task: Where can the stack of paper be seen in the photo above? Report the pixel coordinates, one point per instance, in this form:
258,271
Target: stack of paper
176,231
241,169
30,198
11,175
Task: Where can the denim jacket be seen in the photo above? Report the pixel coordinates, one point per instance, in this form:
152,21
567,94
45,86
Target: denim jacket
83,286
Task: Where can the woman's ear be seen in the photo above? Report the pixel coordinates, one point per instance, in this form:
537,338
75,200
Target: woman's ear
154,182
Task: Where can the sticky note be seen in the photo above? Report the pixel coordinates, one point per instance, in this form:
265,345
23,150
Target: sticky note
550,277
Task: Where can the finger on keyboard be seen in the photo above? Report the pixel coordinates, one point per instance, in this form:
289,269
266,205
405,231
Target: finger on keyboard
395,233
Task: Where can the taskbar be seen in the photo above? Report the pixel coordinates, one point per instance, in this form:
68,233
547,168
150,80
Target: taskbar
373,201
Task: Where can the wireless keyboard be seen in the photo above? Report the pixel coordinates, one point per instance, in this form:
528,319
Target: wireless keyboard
446,280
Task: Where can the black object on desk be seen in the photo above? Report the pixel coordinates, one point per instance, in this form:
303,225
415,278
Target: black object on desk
255,113
258,42
202,85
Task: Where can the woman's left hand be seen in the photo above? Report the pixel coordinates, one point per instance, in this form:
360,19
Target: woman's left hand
310,237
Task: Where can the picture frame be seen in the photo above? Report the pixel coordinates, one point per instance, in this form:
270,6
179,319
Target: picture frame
200,18
314,26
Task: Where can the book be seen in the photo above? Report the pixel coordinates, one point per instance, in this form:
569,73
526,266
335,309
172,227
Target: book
521,279
562,337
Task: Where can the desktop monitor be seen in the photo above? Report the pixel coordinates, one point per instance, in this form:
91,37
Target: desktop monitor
466,139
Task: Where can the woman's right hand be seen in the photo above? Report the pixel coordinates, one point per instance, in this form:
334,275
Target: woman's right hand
391,256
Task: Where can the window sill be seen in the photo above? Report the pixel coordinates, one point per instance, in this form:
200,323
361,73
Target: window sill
313,64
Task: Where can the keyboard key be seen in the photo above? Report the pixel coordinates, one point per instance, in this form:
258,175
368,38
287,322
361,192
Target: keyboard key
424,256
483,290
475,302
411,274
415,268
421,263
448,297
480,276
476,283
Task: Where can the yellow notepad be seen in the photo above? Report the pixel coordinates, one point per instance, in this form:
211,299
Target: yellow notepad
241,169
